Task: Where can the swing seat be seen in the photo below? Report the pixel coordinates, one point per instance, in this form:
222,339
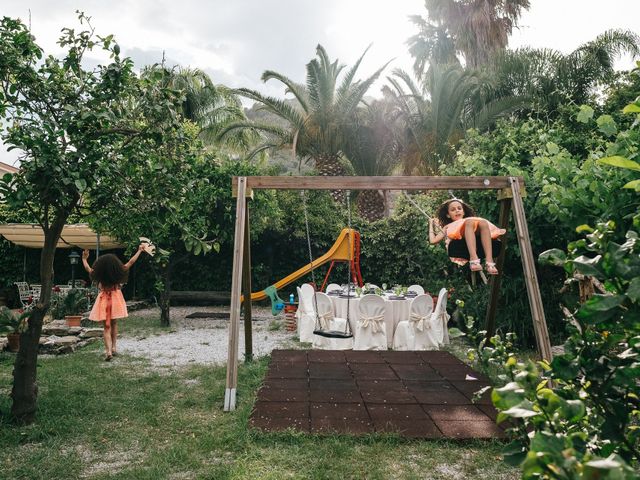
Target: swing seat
333,334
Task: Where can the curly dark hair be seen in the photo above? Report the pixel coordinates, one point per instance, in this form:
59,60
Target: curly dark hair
443,210
109,271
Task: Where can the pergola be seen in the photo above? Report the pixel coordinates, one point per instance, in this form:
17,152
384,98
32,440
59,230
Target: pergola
31,235
509,196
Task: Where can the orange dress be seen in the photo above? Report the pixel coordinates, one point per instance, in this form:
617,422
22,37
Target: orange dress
455,230
110,304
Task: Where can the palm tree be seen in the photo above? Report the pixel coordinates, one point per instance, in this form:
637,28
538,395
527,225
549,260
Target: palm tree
373,148
437,112
211,107
552,78
315,124
477,28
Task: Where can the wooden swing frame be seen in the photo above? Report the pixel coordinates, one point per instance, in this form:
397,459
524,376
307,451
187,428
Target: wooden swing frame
510,198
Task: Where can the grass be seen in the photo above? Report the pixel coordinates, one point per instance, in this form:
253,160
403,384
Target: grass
126,420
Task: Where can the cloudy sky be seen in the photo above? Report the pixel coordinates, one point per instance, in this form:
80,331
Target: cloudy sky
234,41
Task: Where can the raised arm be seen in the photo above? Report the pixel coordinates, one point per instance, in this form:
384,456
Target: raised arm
435,237
85,258
133,259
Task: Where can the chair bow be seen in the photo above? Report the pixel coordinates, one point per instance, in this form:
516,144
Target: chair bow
421,321
325,320
374,320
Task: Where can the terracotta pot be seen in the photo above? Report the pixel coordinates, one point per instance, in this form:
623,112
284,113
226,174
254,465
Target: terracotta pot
14,342
73,320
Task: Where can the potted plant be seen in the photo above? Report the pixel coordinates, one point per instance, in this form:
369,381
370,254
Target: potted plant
13,325
70,306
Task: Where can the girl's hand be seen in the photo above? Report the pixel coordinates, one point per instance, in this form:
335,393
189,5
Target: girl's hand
85,254
141,247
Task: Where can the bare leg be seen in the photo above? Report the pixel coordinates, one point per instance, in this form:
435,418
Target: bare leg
106,334
485,239
470,239
114,335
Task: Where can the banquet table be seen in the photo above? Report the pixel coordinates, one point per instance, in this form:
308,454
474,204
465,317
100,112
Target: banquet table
395,311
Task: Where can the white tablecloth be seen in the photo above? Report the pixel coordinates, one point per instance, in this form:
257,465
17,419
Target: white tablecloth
395,310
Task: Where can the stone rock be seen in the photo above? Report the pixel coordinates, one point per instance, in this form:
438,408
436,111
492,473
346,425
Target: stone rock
75,330
3,343
557,350
91,333
57,327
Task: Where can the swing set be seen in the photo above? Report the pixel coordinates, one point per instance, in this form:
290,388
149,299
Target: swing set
510,199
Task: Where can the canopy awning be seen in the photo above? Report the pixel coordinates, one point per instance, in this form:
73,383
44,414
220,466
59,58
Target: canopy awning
78,235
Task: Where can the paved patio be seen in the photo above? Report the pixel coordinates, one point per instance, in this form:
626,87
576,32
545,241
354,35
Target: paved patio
415,394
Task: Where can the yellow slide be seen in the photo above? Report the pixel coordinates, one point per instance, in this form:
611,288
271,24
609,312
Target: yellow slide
342,249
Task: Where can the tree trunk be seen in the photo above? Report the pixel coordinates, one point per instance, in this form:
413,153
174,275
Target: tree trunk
165,297
371,205
330,166
25,388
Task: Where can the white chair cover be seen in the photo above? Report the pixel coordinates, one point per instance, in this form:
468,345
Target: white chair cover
415,333
440,318
416,288
307,314
328,321
371,330
331,287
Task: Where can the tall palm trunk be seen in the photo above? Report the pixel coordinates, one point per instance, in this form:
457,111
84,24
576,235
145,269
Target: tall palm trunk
330,166
371,205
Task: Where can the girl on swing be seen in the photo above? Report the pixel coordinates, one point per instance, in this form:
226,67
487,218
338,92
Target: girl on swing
461,229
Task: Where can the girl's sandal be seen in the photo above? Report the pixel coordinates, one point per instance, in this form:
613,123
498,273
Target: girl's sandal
108,357
475,265
491,268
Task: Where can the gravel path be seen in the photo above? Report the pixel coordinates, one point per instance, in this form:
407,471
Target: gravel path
203,340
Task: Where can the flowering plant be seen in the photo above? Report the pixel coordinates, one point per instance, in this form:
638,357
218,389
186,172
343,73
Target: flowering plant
12,323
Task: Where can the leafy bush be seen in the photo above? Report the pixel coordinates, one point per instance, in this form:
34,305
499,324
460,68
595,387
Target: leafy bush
578,416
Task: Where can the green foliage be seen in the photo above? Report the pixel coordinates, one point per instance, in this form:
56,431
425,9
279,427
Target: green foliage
11,322
585,423
71,302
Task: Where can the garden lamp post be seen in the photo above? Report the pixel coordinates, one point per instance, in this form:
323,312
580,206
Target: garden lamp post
74,257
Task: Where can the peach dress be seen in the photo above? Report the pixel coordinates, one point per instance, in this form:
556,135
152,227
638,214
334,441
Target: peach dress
455,231
110,304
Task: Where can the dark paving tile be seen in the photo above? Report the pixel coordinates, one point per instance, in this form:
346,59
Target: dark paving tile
396,412
281,409
286,383
415,372
287,370
269,424
409,428
373,371
329,370
401,358
336,396
459,373
326,356
385,391
333,384
351,426
282,395
429,386
442,397
469,389
338,410
295,356
490,411
475,429
357,356
469,413
438,357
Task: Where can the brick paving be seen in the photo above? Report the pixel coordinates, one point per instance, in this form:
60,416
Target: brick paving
414,394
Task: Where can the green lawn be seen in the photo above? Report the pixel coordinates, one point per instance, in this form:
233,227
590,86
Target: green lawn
127,420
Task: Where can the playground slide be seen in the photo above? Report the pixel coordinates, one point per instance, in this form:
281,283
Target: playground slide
342,249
